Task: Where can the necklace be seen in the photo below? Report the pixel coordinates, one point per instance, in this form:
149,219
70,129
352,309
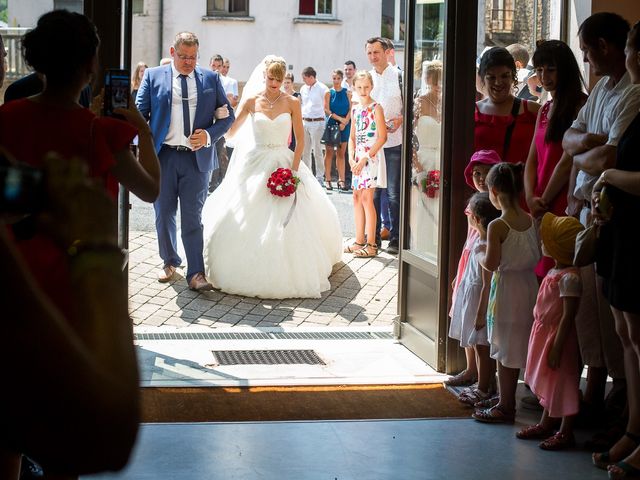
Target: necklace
271,104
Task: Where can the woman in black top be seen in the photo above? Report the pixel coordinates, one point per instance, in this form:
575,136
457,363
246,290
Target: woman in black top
616,204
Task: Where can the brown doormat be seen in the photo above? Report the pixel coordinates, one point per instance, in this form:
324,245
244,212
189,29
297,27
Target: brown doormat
347,402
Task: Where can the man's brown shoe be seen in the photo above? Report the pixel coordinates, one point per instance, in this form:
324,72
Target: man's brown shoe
385,233
166,274
199,283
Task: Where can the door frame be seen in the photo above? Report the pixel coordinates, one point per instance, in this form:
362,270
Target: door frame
113,19
461,21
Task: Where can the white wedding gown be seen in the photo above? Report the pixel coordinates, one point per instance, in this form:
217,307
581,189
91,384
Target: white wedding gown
247,249
425,211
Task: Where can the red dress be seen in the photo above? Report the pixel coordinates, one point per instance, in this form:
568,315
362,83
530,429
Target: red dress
548,154
28,131
490,132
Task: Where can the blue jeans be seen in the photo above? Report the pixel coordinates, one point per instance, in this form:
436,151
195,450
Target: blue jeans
384,209
392,159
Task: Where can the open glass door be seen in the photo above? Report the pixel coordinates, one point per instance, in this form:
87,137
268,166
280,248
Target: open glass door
439,88
420,257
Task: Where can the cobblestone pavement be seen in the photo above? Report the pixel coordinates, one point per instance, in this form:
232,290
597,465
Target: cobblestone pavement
364,292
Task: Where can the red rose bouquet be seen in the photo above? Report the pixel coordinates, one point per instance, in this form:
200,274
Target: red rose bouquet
282,182
429,183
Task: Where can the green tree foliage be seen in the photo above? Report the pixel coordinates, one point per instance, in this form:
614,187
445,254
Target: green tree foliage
3,11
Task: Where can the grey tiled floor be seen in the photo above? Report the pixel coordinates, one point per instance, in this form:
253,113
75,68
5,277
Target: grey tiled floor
363,292
347,450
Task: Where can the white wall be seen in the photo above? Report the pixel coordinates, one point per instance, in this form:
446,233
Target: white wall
145,36
579,11
322,46
25,13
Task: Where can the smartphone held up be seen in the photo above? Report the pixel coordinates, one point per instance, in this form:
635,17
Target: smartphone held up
116,91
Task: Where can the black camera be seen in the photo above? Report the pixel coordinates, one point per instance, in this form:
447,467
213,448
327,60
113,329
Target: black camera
22,189
116,91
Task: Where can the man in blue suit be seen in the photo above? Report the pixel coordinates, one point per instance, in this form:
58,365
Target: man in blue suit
180,100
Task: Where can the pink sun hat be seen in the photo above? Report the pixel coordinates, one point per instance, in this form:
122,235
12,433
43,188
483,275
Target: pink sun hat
484,157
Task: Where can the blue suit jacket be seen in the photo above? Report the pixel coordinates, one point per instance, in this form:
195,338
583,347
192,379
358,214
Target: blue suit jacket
154,102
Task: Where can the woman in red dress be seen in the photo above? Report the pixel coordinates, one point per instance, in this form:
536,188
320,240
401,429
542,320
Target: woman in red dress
54,121
503,123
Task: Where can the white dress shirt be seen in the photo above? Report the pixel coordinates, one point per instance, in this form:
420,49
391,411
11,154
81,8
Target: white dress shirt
609,110
230,85
175,135
386,91
312,98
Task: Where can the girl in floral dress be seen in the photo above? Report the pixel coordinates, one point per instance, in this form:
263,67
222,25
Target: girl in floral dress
366,157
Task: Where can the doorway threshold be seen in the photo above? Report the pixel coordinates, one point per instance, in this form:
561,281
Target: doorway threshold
184,357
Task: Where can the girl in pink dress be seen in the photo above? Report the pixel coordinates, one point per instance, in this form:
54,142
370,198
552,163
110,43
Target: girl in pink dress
553,361
548,168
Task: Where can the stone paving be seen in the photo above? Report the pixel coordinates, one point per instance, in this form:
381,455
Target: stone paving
364,291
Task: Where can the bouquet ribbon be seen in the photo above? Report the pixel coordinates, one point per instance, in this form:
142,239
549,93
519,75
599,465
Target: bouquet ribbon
291,209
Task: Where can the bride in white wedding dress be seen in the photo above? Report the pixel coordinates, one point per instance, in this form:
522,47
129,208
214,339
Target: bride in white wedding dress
257,244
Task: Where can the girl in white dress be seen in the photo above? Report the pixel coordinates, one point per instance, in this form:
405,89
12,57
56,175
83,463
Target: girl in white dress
258,244
469,310
512,252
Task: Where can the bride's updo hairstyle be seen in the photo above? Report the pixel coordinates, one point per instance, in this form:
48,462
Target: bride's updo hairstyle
276,67
361,75
60,28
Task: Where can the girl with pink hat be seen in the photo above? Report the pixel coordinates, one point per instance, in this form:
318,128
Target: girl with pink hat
479,365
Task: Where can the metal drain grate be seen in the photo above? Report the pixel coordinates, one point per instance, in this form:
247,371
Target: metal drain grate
322,335
266,357
265,336
203,336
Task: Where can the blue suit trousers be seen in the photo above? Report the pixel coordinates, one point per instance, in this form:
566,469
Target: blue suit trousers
181,180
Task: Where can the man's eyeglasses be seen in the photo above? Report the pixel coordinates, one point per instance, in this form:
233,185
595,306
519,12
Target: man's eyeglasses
186,58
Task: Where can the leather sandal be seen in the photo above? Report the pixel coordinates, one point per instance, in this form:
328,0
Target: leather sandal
623,470
534,432
327,184
603,459
460,380
492,401
354,247
474,396
559,441
366,251
495,414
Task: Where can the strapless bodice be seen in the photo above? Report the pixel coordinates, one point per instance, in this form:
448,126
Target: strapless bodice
271,133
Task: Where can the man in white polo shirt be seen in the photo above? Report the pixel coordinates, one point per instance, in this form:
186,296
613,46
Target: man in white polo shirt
386,91
229,84
313,119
